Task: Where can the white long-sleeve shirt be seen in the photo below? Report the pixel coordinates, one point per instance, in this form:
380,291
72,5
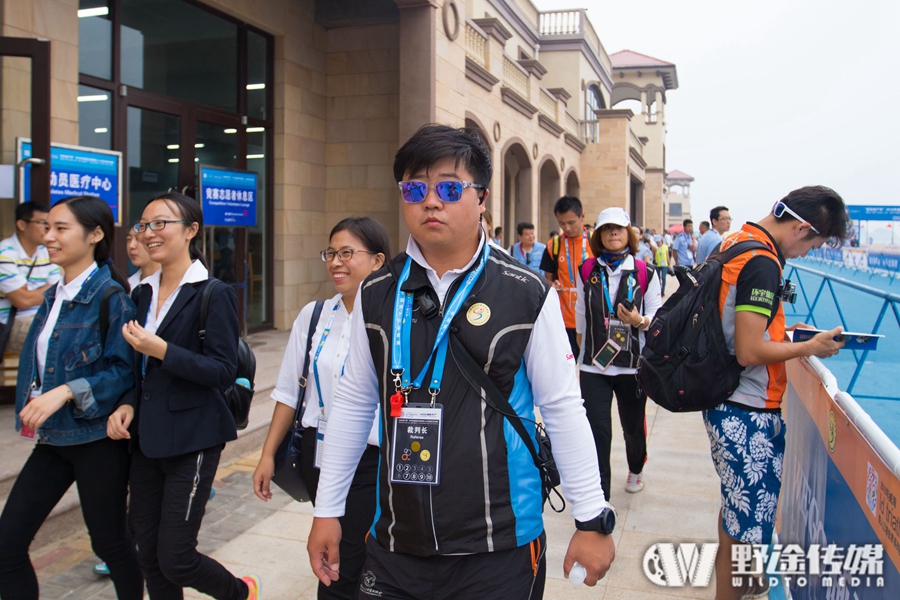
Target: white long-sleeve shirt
652,302
549,365
331,363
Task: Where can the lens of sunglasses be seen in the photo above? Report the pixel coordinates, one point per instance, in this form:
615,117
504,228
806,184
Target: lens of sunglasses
449,191
779,210
414,191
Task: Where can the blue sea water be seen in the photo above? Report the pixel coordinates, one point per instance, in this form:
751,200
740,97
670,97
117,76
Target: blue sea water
877,388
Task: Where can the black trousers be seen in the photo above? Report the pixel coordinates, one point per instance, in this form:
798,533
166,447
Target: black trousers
100,470
573,342
359,513
597,391
516,574
165,521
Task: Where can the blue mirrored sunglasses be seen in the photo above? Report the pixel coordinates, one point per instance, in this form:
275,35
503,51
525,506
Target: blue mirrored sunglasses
447,191
781,208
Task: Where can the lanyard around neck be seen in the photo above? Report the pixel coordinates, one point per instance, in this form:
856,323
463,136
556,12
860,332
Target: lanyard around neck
584,255
402,329
319,351
609,302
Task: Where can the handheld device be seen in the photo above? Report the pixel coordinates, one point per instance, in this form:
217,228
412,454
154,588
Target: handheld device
607,354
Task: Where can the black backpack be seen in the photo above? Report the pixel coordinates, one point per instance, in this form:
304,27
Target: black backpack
685,365
237,397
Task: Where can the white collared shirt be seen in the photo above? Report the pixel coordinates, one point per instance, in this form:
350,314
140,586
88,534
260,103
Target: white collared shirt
549,365
65,292
195,274
330,364
134,280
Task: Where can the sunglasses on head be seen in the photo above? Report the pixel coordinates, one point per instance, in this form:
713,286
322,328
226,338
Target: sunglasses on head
781,208
447,191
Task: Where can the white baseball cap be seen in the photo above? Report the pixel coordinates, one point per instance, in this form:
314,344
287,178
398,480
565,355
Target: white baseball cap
615,215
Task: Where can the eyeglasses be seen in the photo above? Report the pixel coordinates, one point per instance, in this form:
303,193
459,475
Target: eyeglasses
40,222
781,208
344,254
448,191
153,225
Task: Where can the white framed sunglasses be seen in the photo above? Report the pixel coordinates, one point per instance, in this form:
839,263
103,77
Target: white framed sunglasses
780,208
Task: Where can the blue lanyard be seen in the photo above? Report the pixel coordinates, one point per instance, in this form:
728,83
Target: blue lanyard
319,351
402,328
609,302
584,255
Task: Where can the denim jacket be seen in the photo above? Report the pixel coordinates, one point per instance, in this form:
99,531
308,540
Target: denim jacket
98,376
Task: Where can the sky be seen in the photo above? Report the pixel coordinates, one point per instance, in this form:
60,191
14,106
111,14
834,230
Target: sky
773,95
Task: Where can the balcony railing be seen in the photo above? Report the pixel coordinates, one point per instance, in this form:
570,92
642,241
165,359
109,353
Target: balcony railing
572,126
476,43
515,77
636,142
547,104
575,23
590,131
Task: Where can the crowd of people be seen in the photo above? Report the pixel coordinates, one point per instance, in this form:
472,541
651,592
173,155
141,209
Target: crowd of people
426,369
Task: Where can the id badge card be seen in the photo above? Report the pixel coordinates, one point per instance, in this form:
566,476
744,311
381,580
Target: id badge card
320,442
27,433
620,333
416,446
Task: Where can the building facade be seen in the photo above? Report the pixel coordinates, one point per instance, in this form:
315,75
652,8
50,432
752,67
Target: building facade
316,97
678,198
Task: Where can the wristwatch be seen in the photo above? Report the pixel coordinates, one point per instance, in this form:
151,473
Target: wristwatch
604,523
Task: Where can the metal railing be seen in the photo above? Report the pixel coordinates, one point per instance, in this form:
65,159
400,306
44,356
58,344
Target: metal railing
889,303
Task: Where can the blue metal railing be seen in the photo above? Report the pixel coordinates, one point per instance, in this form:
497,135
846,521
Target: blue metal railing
890,302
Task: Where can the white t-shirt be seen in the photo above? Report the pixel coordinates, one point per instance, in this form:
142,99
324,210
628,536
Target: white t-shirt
330,364
14,266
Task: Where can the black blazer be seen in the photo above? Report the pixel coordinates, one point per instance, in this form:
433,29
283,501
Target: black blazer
178,404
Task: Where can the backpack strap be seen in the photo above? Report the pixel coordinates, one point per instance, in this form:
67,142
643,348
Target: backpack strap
301,400
104,312
642,275
739,248
586,268
204,304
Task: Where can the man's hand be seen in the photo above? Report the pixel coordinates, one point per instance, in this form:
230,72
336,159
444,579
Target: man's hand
45,406
823,345
117,424
323,547
594,551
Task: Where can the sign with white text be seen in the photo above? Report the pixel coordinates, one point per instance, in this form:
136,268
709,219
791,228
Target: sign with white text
228,197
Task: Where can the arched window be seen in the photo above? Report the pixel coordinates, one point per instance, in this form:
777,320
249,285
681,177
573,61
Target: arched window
593,100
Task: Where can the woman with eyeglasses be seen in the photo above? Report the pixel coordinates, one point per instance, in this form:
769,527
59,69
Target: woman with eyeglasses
140,258
73,370
176,417
358,246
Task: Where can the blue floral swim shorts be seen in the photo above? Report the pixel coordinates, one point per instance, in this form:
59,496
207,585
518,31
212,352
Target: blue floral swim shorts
748,451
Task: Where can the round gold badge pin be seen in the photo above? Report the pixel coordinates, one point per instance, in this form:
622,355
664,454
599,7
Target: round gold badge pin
478,314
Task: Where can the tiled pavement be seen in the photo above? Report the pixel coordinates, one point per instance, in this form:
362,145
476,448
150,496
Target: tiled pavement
679,503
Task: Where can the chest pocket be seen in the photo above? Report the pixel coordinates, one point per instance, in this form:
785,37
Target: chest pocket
83,357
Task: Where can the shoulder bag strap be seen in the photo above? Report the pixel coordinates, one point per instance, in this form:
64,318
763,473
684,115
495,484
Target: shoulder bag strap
493,396
301,397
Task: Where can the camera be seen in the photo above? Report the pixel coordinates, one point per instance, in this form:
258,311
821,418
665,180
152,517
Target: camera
787,292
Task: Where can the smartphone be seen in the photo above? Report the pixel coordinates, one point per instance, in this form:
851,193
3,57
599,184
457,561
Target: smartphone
607,354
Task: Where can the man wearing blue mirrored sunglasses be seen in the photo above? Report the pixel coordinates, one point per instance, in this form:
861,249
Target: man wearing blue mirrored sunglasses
457,332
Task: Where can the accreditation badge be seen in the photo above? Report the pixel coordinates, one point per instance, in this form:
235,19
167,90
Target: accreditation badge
320,442
416,445
620,333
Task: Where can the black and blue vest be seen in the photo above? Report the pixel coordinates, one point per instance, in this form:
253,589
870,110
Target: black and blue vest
489,498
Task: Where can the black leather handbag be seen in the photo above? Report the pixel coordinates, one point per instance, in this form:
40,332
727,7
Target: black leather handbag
287,457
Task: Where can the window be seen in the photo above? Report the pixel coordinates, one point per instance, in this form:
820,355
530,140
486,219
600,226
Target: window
94,117
177,49
675,209
95,49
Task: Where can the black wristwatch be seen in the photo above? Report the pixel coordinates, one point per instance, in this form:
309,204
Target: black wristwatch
605,522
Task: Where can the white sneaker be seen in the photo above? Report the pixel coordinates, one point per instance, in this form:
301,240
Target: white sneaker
634,483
